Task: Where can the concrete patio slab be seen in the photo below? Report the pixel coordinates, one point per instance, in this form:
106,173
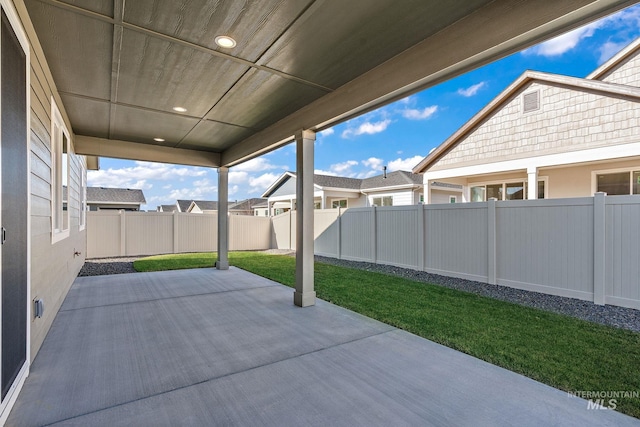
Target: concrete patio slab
210,347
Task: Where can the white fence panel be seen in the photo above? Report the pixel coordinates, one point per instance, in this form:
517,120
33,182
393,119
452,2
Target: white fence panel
357,240
281,231
622,253
325,224
148,233
397,235
195,232
456,240
104,234
249,233
546,246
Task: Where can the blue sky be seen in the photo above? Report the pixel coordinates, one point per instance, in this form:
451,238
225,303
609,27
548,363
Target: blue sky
398,135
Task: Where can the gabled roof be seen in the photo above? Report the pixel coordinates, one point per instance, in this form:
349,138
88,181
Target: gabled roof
393,179
115,195
323,182
610,89
183,205
247,204
613,63
204,205
167,208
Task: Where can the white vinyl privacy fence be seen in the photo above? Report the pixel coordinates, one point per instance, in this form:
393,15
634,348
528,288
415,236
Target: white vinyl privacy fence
119,233
585,248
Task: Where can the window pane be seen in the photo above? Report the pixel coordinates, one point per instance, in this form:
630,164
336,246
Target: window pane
494,190
477,194
339,203
540,189
515,191
614,183
636,183
387,201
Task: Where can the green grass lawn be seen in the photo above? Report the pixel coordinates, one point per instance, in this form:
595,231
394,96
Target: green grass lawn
561,351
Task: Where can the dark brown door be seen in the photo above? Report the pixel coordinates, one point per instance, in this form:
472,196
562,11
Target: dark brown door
13,149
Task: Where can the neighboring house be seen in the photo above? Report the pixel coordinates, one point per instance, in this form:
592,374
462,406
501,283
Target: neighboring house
243,207
183,205
167,208
546,136
101,198
261,209
203,206
397,188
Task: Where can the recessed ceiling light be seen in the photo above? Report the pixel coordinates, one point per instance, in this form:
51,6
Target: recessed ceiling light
180,109
225,41
158,139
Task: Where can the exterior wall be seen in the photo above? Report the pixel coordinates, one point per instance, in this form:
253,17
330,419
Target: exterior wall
114,206
568,120
287,187
400,198
53,266
626,73
442,196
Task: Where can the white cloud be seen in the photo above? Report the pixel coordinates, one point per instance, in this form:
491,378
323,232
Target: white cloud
368,128
324,172
415,114
257,164
404,164
239,177
471,90
564,42
137,176
261,183
373,163
344,167
609,49
327,132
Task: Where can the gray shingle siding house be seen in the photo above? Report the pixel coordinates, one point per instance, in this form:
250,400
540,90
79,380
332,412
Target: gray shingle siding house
392,189
100,198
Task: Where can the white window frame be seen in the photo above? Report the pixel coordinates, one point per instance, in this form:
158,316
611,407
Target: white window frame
83,198
594,177
346,203
453,198
58,129
504,183
381,197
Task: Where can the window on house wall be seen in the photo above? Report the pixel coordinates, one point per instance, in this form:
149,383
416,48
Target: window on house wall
317,205
383,201
453,199
342,203
60,191
619,183
421,198
516,190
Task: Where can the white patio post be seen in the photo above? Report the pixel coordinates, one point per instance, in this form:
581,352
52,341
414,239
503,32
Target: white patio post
222,262
532,183
304,294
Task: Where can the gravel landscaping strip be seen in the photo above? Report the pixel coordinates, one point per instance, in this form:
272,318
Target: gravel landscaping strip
626,318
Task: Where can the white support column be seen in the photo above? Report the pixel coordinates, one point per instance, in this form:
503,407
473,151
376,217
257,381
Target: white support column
304,294
532,183
427,192
222,262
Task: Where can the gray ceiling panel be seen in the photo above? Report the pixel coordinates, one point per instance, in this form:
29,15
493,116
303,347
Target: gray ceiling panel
139,125
339,41
243,106
103,7
80,59
254,24
88,117
214,136
161,75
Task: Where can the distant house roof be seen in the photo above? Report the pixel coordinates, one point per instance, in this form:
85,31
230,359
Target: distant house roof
247,204
393,179
167,208
183,205
614,61
205,205
115,195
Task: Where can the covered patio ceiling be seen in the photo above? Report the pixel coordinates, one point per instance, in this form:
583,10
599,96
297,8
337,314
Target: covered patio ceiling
121,66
